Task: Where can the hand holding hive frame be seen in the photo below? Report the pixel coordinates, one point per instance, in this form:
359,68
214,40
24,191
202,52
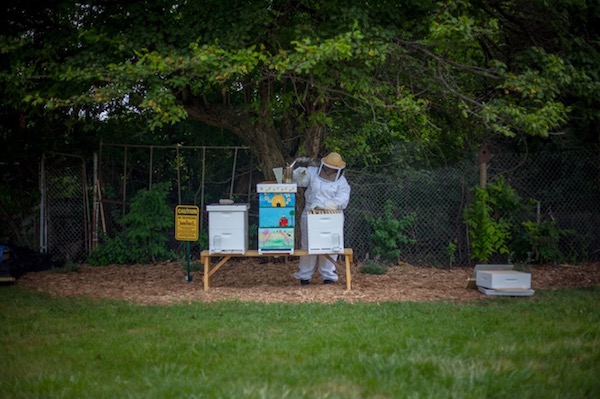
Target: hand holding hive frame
322,211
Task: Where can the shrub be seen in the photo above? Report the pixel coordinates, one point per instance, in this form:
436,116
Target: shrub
145,231
373,267
494,227
538,242
489,235
389,233
113,250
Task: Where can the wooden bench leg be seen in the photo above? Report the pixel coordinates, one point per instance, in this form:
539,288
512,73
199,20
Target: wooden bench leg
348,273
348,261
206,265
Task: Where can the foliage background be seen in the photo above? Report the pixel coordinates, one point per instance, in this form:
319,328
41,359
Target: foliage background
406,90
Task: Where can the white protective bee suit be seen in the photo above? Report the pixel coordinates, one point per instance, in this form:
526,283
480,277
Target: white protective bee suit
325,192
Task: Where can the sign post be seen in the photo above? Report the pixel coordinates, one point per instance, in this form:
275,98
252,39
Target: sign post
186,229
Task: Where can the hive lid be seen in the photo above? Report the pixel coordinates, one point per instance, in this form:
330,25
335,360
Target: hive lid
229,207
269,187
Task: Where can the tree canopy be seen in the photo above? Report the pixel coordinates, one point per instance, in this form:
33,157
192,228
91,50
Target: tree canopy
292,78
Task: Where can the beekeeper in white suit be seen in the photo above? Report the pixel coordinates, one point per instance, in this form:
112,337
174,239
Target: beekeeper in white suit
326,188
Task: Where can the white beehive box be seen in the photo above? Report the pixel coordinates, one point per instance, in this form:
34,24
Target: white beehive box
503,279
228,228
325,233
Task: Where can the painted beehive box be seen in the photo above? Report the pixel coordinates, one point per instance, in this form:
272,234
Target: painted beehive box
276,217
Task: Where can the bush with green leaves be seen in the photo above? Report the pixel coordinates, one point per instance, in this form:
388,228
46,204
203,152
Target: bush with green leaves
451,251
489,230
538,242
145,231
389,233
112,250
373,267
69,267
495,227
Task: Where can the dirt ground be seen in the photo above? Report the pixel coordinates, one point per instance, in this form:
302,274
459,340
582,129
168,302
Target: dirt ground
247,279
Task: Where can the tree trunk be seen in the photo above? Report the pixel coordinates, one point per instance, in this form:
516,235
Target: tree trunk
313,141
262,138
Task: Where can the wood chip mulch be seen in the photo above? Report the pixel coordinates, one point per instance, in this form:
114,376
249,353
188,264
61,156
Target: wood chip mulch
249,279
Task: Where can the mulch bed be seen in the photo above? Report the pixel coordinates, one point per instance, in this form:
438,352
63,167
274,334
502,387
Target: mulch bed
247,279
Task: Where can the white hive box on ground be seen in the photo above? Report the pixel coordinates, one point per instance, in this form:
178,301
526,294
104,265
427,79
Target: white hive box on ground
498,279
228,228
504,282
325,232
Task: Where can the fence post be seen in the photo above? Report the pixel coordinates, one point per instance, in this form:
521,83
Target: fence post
43,221
483,158
95,206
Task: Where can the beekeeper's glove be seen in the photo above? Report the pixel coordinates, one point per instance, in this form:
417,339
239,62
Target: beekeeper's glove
301,171
331,205
300,176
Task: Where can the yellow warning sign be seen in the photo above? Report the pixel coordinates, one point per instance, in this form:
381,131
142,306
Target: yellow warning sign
186,222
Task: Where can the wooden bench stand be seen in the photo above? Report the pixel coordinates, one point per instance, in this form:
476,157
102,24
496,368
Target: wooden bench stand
205,258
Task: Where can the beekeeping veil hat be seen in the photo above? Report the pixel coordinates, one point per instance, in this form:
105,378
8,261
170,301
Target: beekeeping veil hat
332,161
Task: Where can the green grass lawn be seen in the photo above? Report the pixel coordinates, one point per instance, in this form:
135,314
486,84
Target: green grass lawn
545,346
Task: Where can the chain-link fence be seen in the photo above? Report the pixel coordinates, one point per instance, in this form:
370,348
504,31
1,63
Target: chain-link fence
65,215
565,186
436,197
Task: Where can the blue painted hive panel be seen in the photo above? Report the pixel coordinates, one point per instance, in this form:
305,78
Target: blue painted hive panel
277,217
276,200
271,239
